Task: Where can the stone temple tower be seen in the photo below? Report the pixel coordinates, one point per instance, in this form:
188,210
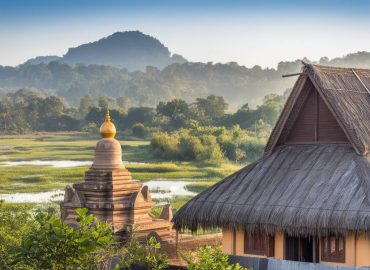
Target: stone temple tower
110,194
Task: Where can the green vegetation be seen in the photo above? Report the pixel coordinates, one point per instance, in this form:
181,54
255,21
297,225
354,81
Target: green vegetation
43,241
234,82
80,147
210,258
39,239
198,187
28,110
210,144
15,222
52,244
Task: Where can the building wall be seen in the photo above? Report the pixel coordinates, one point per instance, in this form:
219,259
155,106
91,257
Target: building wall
227,241
236,247
357,251
279,246
363,251
357,248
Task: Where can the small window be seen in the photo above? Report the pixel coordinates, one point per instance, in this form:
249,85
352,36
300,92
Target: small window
333,249
258,244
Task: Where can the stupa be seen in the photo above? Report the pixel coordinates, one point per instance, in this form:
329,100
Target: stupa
110,194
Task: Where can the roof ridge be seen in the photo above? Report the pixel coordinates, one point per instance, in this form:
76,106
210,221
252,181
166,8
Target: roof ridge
349,69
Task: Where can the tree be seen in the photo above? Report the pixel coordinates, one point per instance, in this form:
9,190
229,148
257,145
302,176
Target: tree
177,110
96,116
213,107
86,103
123,103
144,115
103,103
138,130
173,108
52,107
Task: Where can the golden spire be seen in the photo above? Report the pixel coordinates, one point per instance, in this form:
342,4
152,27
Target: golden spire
107,129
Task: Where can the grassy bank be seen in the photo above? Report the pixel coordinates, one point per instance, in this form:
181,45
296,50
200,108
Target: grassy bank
80,147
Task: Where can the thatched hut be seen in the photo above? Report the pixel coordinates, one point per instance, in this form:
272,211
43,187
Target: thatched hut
308,197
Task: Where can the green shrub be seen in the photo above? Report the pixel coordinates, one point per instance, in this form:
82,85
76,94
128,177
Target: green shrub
214,153
52,244
191,148
139,130
15,222
165,145
209,144
209,258
148,255
46,242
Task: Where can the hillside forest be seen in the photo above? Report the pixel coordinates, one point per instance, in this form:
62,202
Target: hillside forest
235,83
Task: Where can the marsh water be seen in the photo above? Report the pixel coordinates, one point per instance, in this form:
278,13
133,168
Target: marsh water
55,163
159,188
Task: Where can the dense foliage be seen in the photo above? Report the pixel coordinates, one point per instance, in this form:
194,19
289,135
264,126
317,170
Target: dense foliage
44,241
41,240
15,223
210,258
178,130
237,84
207,143
29,110
52,244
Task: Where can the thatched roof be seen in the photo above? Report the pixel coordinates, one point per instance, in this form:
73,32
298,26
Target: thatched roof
346,93
300,189
309,189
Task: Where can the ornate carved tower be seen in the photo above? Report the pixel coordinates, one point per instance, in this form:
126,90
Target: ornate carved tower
109,193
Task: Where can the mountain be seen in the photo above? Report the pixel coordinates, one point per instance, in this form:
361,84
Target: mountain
131,50
138,67
42,59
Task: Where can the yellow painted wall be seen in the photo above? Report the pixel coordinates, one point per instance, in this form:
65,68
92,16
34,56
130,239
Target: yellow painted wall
357,248
240,242
228,244
279,246
227,241
362,250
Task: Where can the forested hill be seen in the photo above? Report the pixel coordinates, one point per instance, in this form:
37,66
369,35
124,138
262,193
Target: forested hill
237,84
132,50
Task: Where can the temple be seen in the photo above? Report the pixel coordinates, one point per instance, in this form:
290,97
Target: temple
110,194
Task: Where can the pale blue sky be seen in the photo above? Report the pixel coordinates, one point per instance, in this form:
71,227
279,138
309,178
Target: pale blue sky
248,32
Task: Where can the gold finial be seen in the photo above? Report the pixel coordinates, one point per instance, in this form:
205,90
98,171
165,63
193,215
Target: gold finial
107,129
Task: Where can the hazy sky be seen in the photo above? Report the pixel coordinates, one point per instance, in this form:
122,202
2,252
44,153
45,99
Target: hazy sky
248,32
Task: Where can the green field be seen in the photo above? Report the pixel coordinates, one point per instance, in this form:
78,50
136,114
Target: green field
29,178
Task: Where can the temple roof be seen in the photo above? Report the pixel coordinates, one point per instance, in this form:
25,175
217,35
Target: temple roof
107,129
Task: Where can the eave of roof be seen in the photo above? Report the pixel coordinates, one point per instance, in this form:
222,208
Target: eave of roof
299,189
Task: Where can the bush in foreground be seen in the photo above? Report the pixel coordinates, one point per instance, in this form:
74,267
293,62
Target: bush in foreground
49,243
210,258
46,242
